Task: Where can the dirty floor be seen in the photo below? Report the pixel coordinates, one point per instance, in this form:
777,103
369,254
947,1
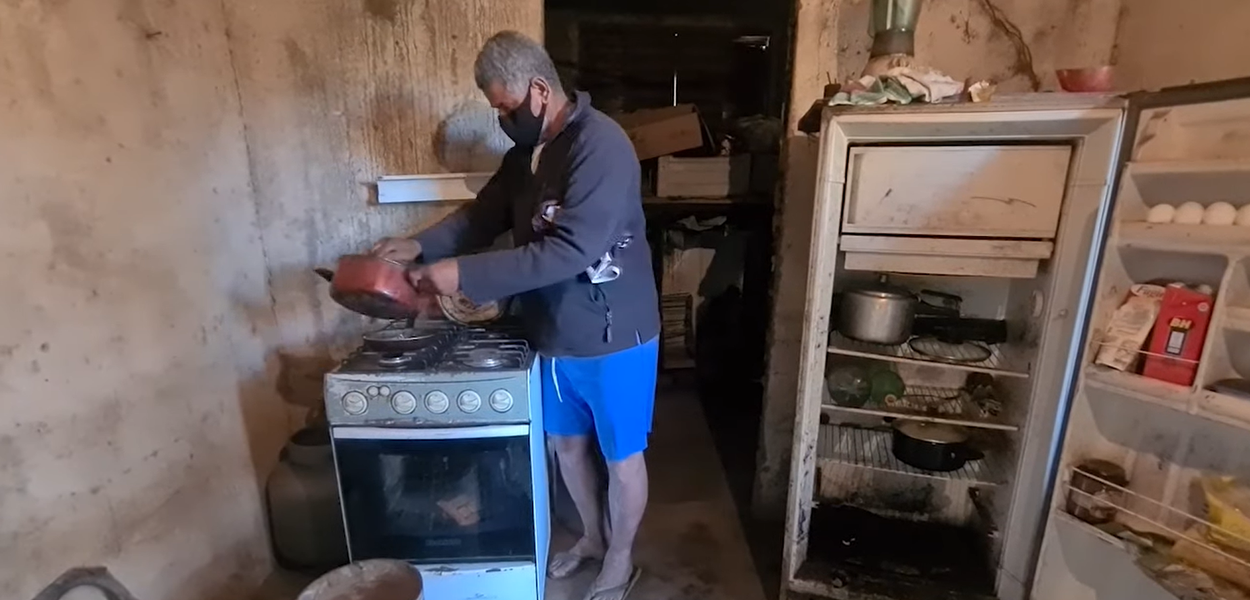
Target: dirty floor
691,546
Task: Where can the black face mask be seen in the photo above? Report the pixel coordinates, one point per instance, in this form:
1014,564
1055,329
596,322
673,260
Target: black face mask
522,126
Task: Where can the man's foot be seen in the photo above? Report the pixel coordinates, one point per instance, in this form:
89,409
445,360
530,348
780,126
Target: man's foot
564,564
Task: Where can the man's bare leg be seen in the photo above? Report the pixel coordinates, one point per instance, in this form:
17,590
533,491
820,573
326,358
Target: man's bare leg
627,500
577,468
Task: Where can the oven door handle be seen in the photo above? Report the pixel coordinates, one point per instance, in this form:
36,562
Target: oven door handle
422,433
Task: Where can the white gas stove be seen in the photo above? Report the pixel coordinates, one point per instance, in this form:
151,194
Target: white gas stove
441,459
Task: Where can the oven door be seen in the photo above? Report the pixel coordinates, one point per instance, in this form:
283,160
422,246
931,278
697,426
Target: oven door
437,496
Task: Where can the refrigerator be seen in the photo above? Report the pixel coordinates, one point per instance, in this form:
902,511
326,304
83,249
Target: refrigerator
1082,450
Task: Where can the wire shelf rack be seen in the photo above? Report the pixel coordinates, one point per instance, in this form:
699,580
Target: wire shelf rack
870,449
935,405
1002,360
1135,510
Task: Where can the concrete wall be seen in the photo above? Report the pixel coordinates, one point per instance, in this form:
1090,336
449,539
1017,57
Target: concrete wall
978,39
169,176
336,94
1163,43
130,340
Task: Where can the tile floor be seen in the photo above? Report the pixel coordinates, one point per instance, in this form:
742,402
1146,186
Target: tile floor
691,545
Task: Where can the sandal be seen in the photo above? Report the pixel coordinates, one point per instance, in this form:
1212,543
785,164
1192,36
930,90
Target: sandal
619,592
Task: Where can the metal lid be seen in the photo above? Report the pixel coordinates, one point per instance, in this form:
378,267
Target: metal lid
882,290
884,293
937,433
461,310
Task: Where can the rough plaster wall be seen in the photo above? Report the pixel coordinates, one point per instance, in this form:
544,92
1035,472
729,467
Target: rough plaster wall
962,38
975,38
1163,43
335,95
128,342
143,355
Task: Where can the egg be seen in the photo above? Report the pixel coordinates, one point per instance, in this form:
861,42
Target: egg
1219,213
1243,216
1189,213
1161,213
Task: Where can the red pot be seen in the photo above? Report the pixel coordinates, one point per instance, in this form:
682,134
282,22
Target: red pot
373,286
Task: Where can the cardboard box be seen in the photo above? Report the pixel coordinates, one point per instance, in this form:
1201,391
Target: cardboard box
660,131
712,177
1179,332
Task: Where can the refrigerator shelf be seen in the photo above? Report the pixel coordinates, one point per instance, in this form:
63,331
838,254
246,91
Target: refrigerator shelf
1209,405
1237,318
870,449
1202,178
1002,360
934,405
1139,513
1229,240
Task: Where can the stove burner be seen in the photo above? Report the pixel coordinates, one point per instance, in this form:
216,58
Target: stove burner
394,361
483,359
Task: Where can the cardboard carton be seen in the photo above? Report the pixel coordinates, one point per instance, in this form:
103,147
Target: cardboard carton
661,131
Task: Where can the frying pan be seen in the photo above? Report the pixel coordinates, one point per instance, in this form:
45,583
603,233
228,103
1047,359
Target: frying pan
399,339
372,286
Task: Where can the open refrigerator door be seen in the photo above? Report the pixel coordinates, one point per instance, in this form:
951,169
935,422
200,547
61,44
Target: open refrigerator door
1153,470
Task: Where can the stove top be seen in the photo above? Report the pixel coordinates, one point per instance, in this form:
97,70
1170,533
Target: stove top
455,349
447,375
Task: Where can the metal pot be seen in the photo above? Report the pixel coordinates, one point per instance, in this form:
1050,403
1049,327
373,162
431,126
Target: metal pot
878,314
932,446
373,286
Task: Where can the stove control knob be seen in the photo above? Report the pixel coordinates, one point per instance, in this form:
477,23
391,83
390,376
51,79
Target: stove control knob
469,401
385,391
437,402
355,403
500,400
404,403
372,390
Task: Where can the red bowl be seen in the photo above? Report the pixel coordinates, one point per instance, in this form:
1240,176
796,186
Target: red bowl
1089,79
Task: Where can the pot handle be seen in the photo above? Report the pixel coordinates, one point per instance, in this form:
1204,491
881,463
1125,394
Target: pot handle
963,452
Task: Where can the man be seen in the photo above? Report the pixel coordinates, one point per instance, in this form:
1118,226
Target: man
581,269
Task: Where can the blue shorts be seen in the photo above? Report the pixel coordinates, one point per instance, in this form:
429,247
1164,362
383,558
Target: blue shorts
613,395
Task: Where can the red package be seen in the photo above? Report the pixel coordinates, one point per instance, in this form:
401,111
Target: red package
1179,331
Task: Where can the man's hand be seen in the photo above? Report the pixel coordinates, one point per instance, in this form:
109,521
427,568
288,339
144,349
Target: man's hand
397,249
442,277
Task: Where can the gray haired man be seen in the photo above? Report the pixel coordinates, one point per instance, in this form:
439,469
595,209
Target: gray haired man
581,269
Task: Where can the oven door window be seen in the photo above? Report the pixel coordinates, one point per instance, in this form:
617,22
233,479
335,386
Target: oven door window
461,499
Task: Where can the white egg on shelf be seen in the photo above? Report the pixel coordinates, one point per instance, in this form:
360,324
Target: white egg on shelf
1161,213
1189,213
1243,216
1219,213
